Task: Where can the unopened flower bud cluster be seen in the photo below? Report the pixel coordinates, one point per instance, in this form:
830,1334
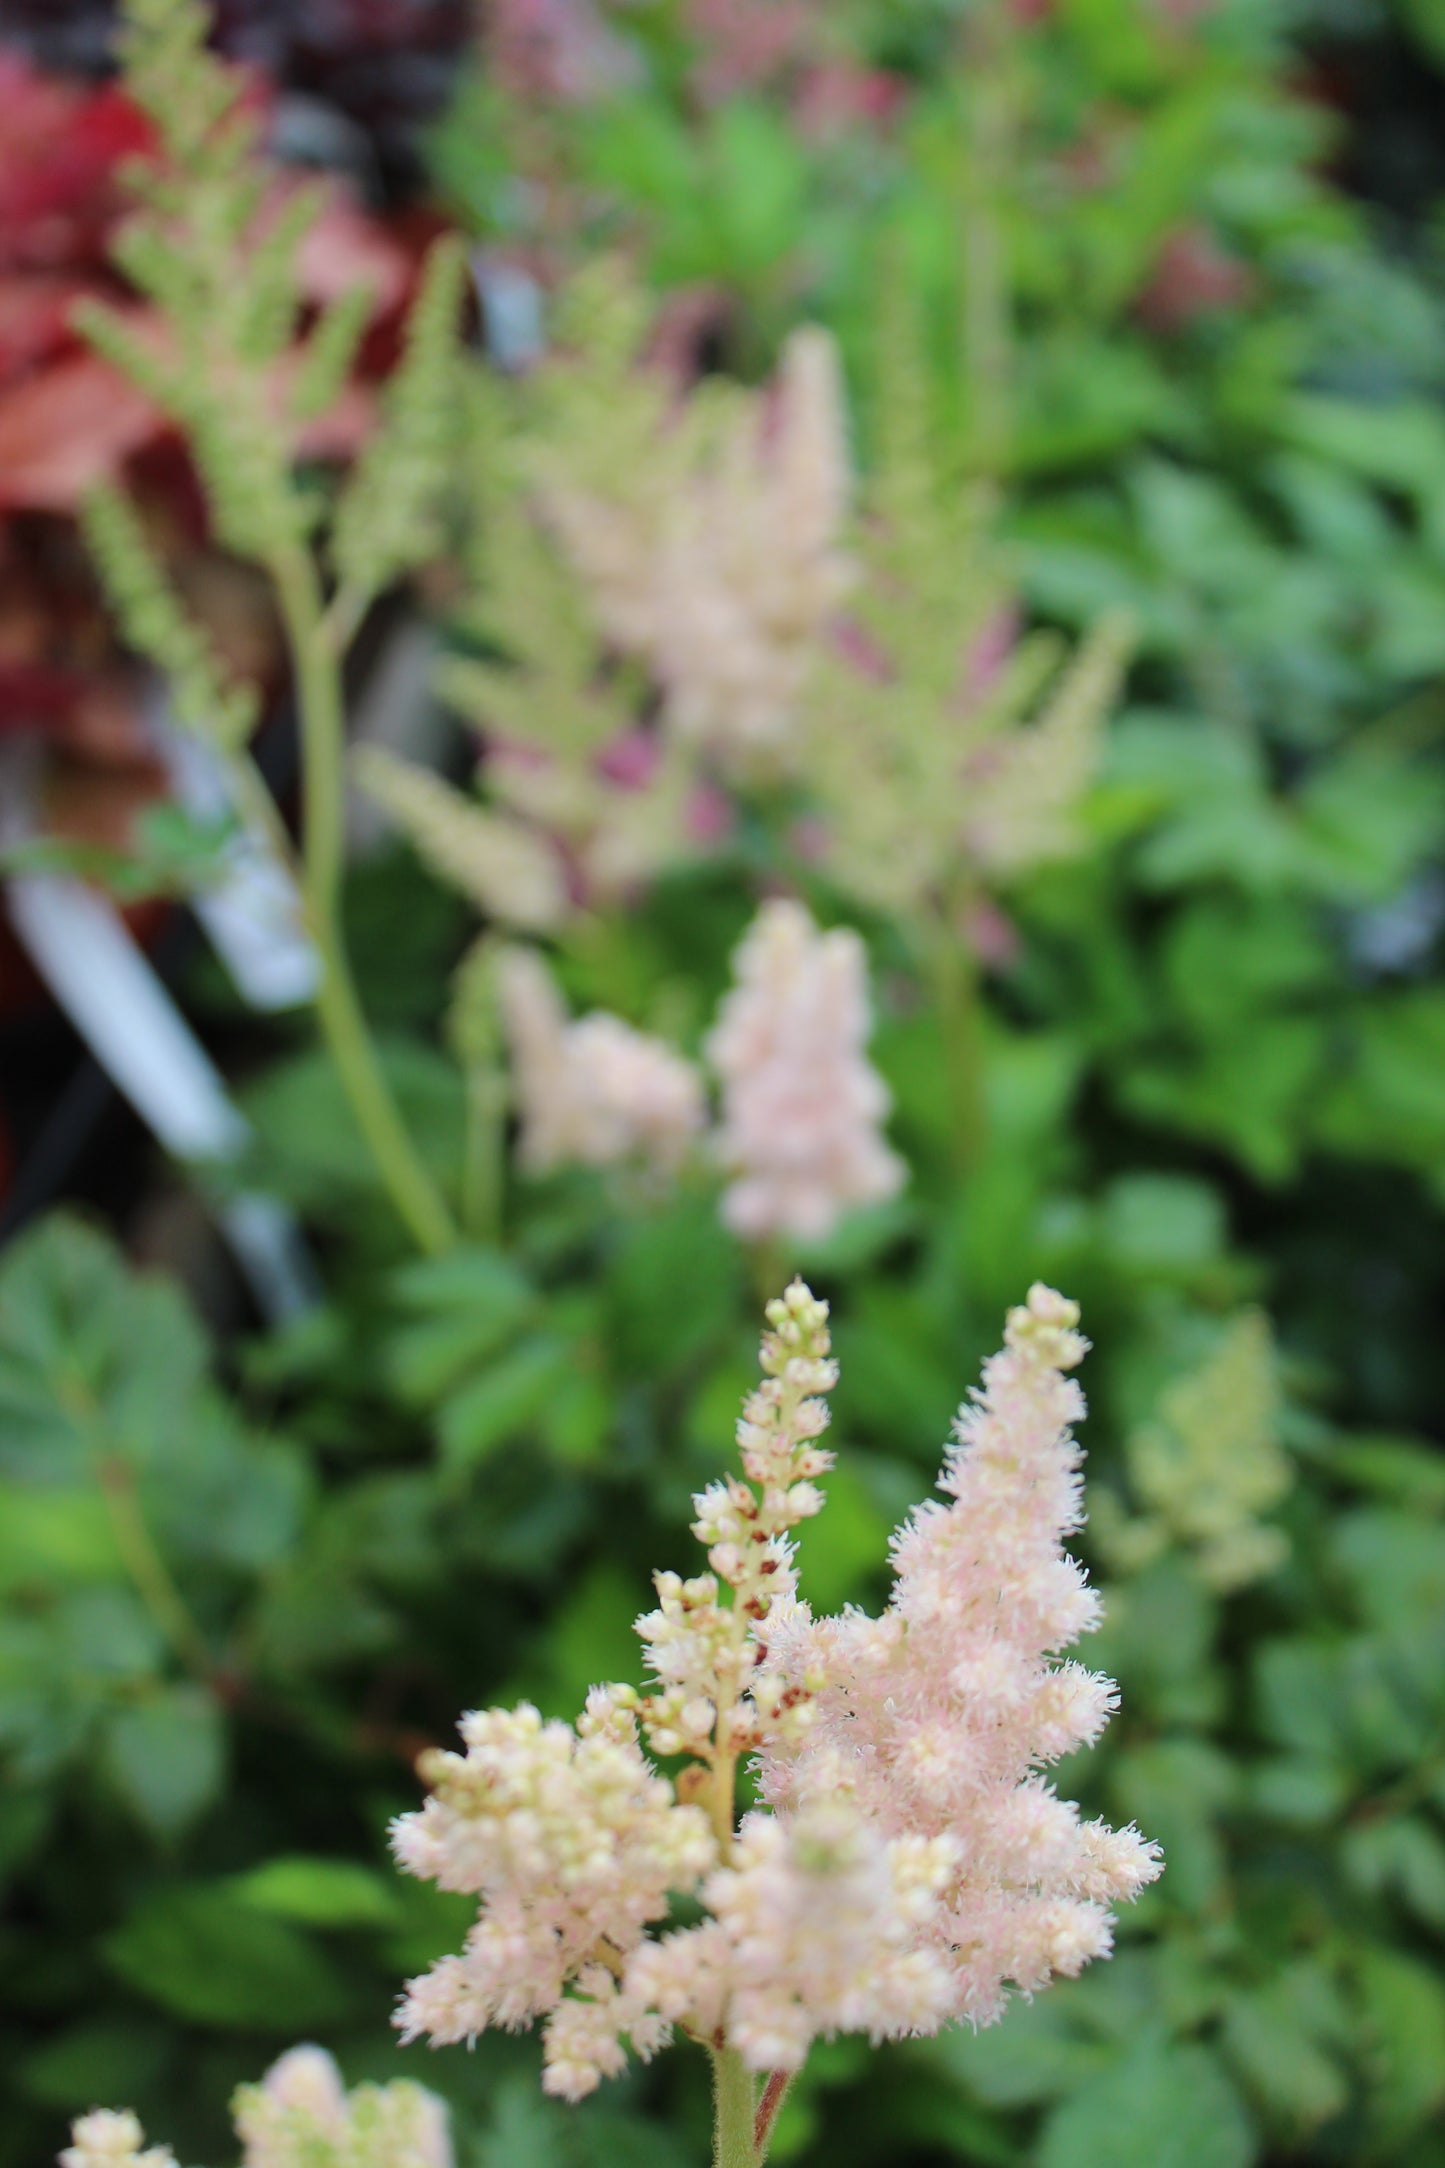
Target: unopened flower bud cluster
706,1654
802,1107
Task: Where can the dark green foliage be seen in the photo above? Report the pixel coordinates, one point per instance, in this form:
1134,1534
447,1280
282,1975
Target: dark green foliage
1214,1073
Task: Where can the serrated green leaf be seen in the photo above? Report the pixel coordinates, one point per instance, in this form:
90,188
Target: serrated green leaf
100,2059
1285,2053
1403,2010
166,1755
462,1310
509,1396
1160,2107
204,1954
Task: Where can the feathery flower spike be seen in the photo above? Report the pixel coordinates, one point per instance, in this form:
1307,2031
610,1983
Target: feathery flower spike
299,2116
719,563
910,1866
112,2138
593,1092
802,1107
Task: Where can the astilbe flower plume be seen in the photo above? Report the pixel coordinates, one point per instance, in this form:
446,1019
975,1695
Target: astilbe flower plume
1209,1466
113,2138
745,44
592,1091
572,1841
910,1865
718,562
299,2116
802,1107
936,1717
552,51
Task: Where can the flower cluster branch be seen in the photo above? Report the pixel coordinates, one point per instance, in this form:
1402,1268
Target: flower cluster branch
911,1866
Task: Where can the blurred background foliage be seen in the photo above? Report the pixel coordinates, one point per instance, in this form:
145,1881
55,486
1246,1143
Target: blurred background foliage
1189,254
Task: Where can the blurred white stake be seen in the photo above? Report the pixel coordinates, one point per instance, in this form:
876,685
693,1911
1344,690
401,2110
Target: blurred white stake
79,944
251,915
512,320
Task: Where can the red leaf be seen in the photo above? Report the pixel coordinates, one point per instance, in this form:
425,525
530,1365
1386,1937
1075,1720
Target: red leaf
34,319
344,249
60,145
65,430
36,696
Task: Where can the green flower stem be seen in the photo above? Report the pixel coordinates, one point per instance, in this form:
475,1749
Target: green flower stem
987,312
149,1571
734,2111
960,1013
319,701
770,1275
483,1171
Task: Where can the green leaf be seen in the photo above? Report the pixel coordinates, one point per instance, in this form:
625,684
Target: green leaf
591,1641
673,1287
1176,1789
1161,2107
1297,1688
1427,19
205,1954
509,1396
309,1146
166,1754
1246,1090
100,2059
321,1893
432,1922
580,1415
1395,1468
1395,1565
1280,2040
1404,1855
103,1371
1402,445
464,1307
1162,1223
25,1817
1158,1635
1036,2053
48,1538
1403,2007
107,1634
1299,1790
1385,1099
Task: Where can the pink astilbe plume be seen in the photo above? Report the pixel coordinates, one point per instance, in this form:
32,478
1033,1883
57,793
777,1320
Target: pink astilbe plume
546,52
802,1107
910,1867
936,1717
113,2138
571,1839
745,44
592,1092
719,562
299,2116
